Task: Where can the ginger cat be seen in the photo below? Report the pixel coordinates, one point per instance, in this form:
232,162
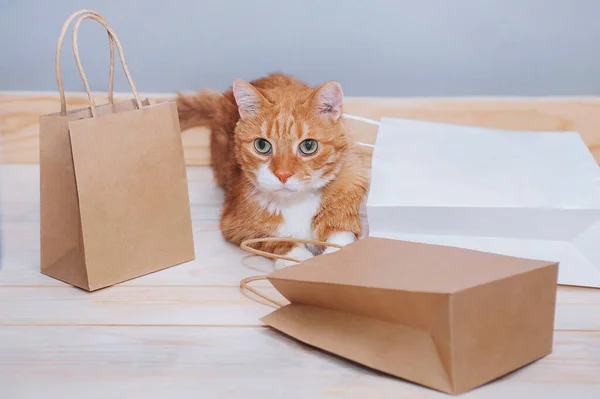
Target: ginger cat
280,151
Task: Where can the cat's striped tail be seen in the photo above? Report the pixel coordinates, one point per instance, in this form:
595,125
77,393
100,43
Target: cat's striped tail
197,110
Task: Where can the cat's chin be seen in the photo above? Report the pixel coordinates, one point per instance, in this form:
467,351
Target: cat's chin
286,193
284,190
282,193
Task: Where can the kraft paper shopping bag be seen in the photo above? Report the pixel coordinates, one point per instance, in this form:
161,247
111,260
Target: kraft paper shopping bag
113,194
448,318
528,194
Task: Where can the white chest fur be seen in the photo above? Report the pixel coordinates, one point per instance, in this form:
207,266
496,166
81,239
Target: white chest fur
297,213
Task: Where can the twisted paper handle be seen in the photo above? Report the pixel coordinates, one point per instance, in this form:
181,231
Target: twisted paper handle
111,76
120,50
244,284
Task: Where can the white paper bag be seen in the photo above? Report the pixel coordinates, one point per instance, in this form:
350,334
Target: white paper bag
527,194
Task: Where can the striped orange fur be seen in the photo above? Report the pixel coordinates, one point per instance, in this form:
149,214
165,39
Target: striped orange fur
288,191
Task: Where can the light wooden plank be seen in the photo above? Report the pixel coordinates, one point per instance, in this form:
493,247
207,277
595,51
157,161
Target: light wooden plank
217,262
19,113
577,309
196,362
222,264
123,305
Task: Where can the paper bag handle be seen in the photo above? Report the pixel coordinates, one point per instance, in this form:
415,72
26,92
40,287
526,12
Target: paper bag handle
244,284
269,255
102,22
111,76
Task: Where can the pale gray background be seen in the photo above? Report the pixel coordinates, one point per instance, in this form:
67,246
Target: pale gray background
374,48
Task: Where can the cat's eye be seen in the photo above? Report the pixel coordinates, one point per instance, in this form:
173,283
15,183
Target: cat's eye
308,147
262,146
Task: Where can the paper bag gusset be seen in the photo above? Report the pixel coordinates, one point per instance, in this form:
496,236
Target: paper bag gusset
447,318
113,194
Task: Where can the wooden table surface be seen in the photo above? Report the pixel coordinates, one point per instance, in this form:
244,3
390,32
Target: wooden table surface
188,332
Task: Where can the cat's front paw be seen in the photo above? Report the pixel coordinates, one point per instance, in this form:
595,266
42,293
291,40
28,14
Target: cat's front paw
341,238
301,253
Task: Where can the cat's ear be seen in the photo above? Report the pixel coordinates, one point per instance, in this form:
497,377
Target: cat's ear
327,100
249,100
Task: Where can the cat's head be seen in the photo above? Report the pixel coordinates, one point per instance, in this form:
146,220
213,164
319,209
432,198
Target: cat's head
289,140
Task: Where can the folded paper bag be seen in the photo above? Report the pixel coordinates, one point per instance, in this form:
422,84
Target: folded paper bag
114,200
533,195
447,318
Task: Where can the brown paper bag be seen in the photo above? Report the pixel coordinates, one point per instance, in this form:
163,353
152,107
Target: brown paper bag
448,318
113,194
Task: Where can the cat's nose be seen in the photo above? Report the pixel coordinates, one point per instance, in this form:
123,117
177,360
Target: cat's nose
283,175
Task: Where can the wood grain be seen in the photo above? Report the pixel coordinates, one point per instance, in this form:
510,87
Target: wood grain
200,362
155,304
19,113
188,332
